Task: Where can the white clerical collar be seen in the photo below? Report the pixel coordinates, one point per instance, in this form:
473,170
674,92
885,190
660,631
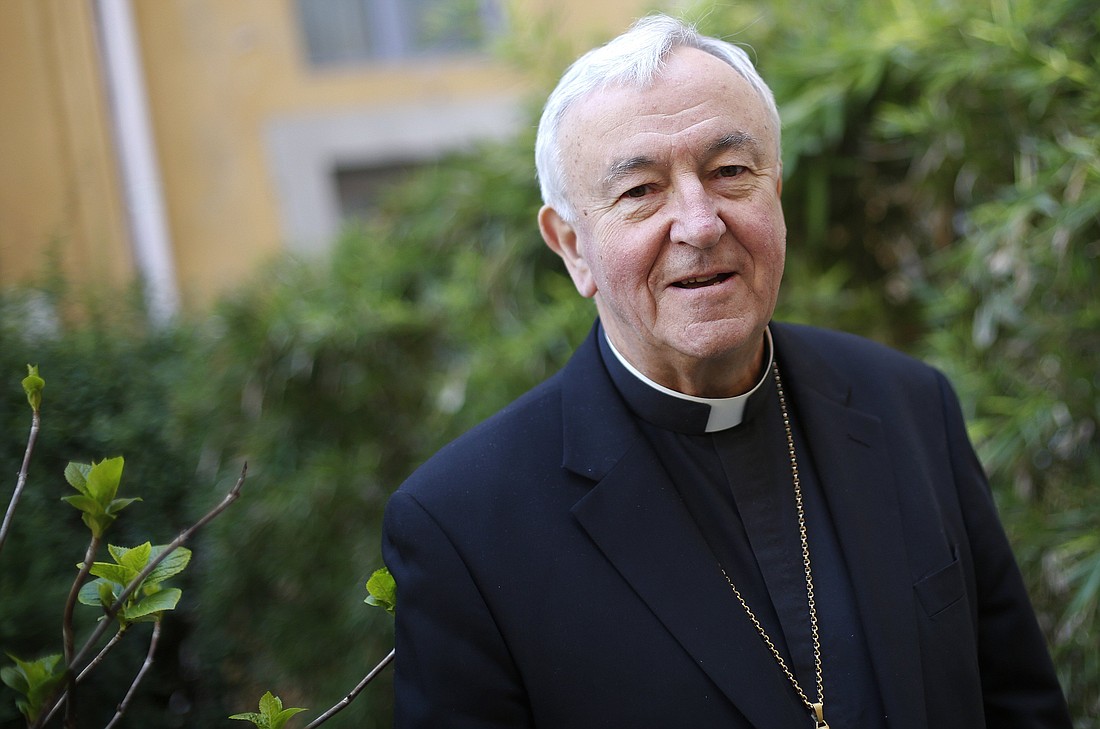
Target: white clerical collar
725,412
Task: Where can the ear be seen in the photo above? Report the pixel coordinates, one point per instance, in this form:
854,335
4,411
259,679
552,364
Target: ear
779,181
562,238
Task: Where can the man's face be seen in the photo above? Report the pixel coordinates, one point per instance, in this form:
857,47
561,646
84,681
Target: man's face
679,233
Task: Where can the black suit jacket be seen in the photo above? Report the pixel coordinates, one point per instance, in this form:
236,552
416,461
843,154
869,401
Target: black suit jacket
548,574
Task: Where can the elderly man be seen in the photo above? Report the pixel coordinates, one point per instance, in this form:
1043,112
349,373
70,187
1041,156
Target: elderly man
706,519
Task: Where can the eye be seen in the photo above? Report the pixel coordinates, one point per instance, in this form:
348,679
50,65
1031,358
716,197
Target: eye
637,191
731,170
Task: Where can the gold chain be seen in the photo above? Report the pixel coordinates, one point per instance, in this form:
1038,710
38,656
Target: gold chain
816,708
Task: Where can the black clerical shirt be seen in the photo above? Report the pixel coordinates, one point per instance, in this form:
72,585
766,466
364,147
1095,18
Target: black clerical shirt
737,484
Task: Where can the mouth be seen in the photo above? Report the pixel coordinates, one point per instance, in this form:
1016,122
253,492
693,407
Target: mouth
700,282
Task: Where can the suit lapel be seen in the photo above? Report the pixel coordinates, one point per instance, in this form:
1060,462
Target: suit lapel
635,516
853,465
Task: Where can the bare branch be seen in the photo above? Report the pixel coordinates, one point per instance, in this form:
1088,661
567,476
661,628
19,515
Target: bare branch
138,678
99,656
67,638
84,674
21,481
343,703
74,593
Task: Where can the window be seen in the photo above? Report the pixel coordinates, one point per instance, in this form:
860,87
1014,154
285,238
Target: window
358,31
359,188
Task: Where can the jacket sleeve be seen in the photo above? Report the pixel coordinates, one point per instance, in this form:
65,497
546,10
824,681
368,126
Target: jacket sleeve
453,669
1019,685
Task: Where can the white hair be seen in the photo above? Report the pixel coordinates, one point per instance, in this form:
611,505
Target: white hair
635,58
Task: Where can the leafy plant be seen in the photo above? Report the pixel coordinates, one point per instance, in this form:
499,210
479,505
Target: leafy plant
383,591
272,715
150,599
37,681
98,486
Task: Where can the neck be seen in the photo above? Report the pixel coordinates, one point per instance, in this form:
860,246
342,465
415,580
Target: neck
724,377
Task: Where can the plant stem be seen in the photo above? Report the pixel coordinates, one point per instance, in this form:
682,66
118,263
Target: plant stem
100,656
343,703
67,629
138,678
21,481
84,674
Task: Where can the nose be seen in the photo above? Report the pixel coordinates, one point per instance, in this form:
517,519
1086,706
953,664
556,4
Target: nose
695,219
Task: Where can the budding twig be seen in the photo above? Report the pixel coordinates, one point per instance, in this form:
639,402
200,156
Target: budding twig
233,494
72,664
21,481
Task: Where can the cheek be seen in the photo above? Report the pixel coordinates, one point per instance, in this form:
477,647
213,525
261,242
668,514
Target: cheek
764,235
622,260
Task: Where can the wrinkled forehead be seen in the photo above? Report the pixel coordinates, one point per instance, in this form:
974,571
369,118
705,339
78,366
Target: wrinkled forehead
710,77
697,98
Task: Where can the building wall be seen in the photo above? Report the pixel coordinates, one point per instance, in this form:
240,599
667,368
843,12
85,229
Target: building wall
247,133
59,199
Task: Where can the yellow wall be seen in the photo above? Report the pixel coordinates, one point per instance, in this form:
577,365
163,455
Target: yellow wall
58,192
216,73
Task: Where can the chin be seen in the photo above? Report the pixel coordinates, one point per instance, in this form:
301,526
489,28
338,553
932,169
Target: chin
717,340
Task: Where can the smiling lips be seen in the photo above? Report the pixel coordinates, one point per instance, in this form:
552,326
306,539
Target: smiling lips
702,281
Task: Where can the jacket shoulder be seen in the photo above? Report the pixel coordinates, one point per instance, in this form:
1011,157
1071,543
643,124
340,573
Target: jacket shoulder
852,354
497,447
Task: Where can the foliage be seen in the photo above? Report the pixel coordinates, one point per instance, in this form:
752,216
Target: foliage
33,384
92,411
272,715
151,599
98,485
383,590
36,681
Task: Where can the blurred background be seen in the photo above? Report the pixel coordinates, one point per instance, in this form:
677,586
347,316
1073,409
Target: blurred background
301,234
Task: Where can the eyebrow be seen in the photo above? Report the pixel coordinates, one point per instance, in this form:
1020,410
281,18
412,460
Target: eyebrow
734,142
624,167
731,142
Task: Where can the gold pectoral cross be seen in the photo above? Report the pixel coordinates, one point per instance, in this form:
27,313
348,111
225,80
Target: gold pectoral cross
819,710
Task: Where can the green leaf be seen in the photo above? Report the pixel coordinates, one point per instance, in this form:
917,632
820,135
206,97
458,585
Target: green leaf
135,558
35,680
85,503
383,590
172,565
97,484
272,714
108,592
33,386
117,553
280,719
119,504
113,572
98,593
77,476
270,704
103,479
151,605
